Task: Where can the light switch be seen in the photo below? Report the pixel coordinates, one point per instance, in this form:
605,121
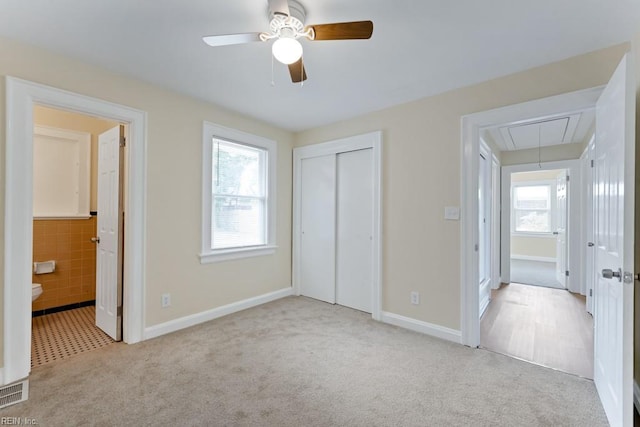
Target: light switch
452,213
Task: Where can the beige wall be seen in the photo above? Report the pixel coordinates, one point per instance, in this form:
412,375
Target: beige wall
173,203
533,246
547,154
45,116
421,175
547,175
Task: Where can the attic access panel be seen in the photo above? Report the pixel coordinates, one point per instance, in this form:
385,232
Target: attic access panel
559,130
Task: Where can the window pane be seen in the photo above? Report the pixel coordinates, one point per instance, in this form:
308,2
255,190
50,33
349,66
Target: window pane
532,197
532,221
238,169
237,222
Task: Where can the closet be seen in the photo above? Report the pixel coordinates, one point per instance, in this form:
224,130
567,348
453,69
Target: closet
336,225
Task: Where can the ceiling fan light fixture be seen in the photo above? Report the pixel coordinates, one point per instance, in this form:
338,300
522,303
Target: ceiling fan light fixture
287,50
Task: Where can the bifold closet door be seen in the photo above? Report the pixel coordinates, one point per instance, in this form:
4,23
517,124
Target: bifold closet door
354,230
318,228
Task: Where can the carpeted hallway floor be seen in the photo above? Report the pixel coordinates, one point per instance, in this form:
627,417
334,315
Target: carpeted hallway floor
300,362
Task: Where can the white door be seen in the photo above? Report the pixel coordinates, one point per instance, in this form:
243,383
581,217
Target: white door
484,231
561,228
354,230
317,225
613,311
109,264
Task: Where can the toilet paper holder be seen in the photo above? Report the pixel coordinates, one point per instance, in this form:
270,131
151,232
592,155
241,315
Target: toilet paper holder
44,267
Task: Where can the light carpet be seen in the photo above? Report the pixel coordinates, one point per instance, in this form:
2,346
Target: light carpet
537,273
300,362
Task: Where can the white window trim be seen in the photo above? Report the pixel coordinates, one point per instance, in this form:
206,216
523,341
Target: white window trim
209,132
552,208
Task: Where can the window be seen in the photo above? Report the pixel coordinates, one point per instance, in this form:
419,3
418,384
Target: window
238,194
532,208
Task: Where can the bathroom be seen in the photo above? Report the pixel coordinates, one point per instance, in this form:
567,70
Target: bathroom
65,205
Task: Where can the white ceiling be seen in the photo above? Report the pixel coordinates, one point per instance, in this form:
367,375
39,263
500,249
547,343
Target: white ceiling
419,47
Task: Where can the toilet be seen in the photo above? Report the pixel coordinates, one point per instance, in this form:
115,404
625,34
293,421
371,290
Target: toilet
36,291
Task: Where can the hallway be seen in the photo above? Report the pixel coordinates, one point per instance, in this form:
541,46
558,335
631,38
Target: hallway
548,327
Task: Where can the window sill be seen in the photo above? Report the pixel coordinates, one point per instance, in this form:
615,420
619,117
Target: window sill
236,253
531,234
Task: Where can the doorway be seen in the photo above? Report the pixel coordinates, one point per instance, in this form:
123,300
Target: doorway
531,316
22,96
69,200
473,127
538,228
614,166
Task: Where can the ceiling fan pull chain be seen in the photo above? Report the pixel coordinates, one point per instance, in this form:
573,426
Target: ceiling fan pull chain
273,83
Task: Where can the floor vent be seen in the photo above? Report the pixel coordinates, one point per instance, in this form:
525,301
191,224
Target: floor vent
14,393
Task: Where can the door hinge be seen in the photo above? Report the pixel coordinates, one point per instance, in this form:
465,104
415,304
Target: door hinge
590,292
123,141
566,273
119,311
592,162
567,178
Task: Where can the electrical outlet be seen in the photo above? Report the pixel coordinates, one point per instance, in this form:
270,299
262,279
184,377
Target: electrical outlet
415,298
166,300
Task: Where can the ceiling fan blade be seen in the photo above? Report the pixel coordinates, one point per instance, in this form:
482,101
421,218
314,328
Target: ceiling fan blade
228,39
280,7
297,71
343,30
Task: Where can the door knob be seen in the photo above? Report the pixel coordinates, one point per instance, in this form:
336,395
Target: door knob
610,274
591,244
555,233
95,239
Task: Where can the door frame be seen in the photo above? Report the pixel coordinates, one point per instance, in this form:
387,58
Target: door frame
371,140
588,230
471,127
574,219
21,96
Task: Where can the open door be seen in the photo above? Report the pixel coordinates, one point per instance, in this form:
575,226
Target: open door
109,239
561,228
614,234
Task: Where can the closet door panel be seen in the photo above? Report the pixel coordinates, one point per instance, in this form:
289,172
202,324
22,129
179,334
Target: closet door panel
354,230
318,228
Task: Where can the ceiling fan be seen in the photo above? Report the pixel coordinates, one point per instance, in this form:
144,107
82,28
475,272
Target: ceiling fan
286,27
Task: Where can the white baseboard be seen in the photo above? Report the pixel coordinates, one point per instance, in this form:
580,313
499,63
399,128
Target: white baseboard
636,395
533,258
205,316
422,327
